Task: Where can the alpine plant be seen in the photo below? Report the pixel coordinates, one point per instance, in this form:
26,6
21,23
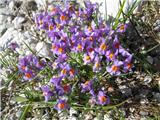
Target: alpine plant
84,47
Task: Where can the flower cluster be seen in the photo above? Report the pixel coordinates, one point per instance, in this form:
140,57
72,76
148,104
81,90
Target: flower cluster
101,98
78,30
29,66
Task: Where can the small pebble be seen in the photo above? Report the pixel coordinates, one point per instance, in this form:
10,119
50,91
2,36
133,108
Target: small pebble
131,109
72,111
144,101
143,113
88,117
157,96
18,114
147,80
150,59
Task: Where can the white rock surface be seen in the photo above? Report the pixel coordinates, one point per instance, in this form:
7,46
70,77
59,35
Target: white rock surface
72,111
18,21
143,113
125,90
42,49
147,80
3,18
2,29
11,5
7,37
157,96
41,3
111,7
150,59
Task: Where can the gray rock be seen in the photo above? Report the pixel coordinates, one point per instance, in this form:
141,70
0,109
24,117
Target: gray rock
2,81
158,34
125,90
144,101
88,116
107,117
63,115
72,118
147,80
72,112
43,49
159,84
143,113
156,96
30,118
18,21
131,109
9,19
7,37
156,23
18,114
40,3
157,28
2,29
99,117
31,5
12,5
143,92
4,3
150,59
144,118
3,19
143,18
45,117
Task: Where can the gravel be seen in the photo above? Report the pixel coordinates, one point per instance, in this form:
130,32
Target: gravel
15,26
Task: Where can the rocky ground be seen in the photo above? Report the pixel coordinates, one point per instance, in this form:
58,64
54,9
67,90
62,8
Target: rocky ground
141,90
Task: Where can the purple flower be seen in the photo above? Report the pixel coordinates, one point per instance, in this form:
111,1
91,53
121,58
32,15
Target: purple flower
63,89
64,69
128,64
116,43
89,29
72,72
102,99
61,105
22,65
66,88
97,65
91,91
87,86
122,28
115,68
92,101
51,27
111,34
54,10
55,65
124,53
88,58
39,64
29,75
60,50
103,47
63,18
13,46
47,92
56,80
41,21
62,58
79,47
111,56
